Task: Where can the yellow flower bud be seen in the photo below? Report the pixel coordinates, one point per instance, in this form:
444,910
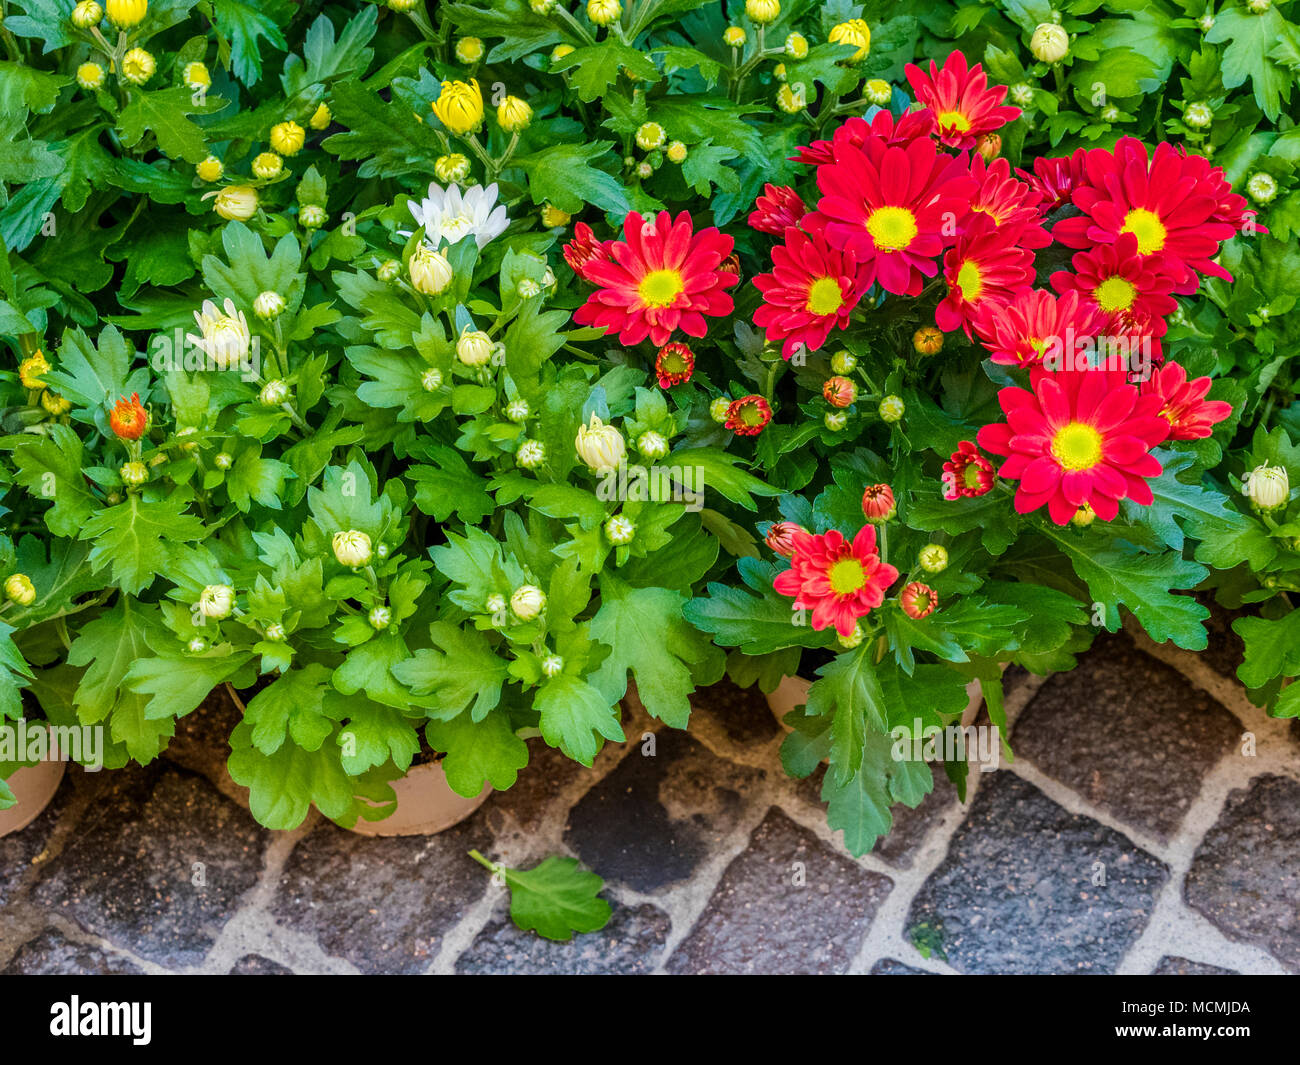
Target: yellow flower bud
90,76
513,114
19,589
560,51
321,118
451,169
267,166
287,138
352,548
138,66
31,369
134,474
792,98
54,403
459,106
796,46
87,14
603,12
196,76
469,50
878,91
762,12
854,32
650,136
734,36
553,216
210,169
236,202
126,13
676,152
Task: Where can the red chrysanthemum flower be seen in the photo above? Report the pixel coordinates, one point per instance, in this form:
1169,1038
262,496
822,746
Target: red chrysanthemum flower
984,272
583,249
1133,291
967,473
780,537
1183,404
128,419
892,209
878,503
1034,324
1167,201
674,364
811,290
1008,205
748,415
857,131
964,106
777,209
918,600
1055,179
837,580
1077,438
661,277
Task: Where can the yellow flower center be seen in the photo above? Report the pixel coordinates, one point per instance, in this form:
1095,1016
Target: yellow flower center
1115,294
846,576
1147,227
456,226
660,288
1077,446
824,296
892,228
969,281
954,120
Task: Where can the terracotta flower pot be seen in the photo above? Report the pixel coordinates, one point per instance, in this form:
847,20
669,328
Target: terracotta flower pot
425,802
34,787
793,691
425,805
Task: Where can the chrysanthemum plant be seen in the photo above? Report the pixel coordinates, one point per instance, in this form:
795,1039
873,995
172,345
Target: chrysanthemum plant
990,449
338,450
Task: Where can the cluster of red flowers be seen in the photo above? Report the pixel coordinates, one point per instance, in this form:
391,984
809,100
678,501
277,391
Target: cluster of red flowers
902,200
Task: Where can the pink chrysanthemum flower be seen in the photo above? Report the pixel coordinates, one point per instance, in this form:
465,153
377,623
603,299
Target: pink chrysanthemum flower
837,580
964,106
1183,404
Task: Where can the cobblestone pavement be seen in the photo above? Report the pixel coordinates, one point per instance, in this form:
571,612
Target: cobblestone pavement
1130,835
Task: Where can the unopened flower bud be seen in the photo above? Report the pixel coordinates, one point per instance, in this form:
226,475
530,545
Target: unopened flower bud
321,117
600,446
1262,188
514,115
853,639
274,632
531,454
652,445
839,391
87,14
267,166
761,12
90,76
222,460
312,216
553,217
780,537
210,169
19,589
196,76
1268,487
126,13
517,410
892,409
273,393
603,12
676,153
474,347
197,645
380,617
351,548
494,604
1049,43
734,36
138,66
843,362
134,474
429,270
796,46
720,409
552,665
288,137
650,135
835,420
431,379
216,601
933,558
527,602
469,50
620,530
1199,115
268,305
878,91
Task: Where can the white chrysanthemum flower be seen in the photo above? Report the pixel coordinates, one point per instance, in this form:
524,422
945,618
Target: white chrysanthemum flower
449,214
225,337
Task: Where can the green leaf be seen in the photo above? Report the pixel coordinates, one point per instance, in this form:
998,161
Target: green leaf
716,469
374,734
164,113
1249,38
23,88
388,140
593,69
245,26
284,785
450,487
478,753
1272,648
757,624
291,707
650,637
132,537
564,176
848,691
1144,583
176,685
573,714
50,468
554,899
460,672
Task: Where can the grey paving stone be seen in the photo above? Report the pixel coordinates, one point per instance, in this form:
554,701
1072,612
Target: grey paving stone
382,904
1245,876
1128,733
632,942
130,872
19,850
256,965
1172,965
652,821
890,967
53,953
743,713
910,826
759,920
1016,895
